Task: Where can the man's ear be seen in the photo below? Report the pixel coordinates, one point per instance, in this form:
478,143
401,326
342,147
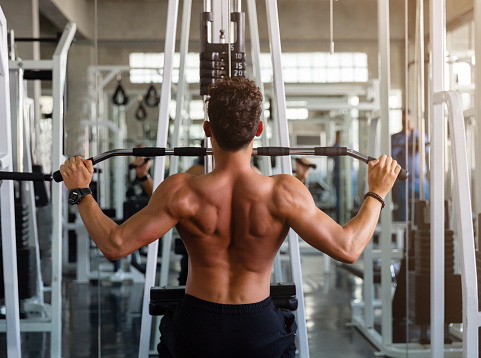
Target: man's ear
260,129
207,129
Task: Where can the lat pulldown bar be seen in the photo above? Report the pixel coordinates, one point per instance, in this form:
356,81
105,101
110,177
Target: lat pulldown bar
198,152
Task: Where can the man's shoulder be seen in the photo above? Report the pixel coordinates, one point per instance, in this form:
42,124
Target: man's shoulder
284,179
286,185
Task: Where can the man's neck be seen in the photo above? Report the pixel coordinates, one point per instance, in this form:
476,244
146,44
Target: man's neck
232,161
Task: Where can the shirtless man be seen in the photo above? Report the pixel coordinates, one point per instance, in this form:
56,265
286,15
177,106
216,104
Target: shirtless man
232,221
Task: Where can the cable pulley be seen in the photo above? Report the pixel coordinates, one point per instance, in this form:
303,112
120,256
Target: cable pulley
140,112
152,98
120,98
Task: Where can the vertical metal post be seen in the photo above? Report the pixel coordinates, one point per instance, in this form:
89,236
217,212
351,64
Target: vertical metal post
256,69
58,90
162,132
477,104
208,160
16,115
437,10
421,127
295,260
180,95
386,218
9,247
174,160
368,281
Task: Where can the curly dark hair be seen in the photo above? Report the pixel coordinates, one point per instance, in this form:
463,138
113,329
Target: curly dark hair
234,109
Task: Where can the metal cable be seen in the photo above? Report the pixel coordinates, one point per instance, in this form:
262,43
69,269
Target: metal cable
97,104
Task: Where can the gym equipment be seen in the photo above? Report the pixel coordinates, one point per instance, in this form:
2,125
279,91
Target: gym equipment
9,252
140,112
51,314
162,298
196,152
151,98
119,97
219,60
419,279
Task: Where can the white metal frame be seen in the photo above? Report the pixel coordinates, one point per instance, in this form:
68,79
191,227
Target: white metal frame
58,65
162,132
273,24
465,236
9,248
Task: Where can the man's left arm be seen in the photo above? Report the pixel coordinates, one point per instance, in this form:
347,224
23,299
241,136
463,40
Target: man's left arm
117,241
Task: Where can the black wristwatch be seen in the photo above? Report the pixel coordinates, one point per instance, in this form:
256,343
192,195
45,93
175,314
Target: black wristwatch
76,195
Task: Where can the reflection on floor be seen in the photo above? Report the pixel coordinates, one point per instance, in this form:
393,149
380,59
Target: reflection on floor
327,297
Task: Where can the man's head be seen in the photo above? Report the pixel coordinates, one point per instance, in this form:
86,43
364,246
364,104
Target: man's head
407,120
234,110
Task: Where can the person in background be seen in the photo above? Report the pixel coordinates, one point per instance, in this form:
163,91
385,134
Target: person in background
142,167
413,165
303,165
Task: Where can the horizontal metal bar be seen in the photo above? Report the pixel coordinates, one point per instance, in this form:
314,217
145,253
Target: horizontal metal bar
263,151
29,326
31,65
37,39
111,153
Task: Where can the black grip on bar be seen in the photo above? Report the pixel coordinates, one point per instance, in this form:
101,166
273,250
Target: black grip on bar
403,174
57,176
25,176
330,151
190,152
273,151
148,152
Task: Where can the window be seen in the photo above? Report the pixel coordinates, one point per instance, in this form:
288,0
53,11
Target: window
147,67
318,67
299,67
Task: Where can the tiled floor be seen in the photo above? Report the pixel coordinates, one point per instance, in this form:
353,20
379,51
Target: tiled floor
327,297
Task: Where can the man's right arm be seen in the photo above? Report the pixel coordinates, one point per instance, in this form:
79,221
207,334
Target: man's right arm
320,231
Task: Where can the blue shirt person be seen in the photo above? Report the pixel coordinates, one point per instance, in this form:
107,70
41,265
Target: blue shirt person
413,165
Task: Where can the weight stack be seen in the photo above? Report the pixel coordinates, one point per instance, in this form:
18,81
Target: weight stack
21,226
214,57
420,277
422,252
25,273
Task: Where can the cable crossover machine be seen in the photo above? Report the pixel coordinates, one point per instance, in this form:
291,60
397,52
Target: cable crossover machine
219,57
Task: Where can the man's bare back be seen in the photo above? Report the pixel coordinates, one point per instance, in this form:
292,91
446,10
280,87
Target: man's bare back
232,236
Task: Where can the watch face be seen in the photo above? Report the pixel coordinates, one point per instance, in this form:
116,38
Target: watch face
73,197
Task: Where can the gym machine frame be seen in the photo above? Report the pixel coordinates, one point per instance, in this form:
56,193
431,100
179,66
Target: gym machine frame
273,26
58,67
9,249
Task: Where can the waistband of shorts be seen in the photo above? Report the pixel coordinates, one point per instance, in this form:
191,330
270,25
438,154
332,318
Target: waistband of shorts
227,309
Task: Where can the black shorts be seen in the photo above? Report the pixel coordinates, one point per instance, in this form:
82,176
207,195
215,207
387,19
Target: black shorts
198,328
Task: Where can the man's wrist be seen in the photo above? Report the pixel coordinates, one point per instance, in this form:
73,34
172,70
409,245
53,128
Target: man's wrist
376,197
143,178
